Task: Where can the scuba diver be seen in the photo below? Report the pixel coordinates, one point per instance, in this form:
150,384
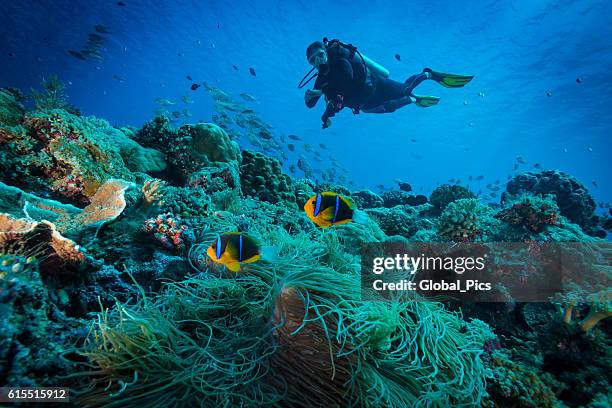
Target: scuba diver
349,79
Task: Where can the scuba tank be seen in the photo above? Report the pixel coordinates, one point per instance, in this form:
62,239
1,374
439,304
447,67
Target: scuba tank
373,66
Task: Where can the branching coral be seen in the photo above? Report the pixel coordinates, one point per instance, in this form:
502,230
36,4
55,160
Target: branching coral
595,317
598,312
459,221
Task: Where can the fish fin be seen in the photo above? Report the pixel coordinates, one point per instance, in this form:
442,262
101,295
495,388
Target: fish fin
348,202
211,253
233,266
327,214
252,259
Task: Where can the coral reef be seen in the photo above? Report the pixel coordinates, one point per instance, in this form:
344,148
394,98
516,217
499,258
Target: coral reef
39,237
104,274
533,213
189,148
262,177
446,194
11,111
514,384
59,153
399,220
215,179
170,232
571,196
395,197
32,329
464,220
367,199
303,189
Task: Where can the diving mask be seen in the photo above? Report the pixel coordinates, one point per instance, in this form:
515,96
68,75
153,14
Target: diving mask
318,58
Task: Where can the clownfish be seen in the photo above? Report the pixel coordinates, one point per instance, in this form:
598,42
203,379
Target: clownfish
329,208
233,249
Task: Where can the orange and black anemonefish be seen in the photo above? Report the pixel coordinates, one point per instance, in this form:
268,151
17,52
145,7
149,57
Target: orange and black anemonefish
329,208
233,249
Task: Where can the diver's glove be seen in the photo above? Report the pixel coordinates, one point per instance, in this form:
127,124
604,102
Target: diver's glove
333,107
312,94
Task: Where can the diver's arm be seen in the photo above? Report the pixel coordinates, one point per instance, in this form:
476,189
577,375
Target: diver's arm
312,96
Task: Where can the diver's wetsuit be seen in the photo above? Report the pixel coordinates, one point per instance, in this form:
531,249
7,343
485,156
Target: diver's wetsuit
347,83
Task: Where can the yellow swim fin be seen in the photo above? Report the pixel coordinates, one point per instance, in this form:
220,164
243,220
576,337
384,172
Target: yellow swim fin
425,101
449,80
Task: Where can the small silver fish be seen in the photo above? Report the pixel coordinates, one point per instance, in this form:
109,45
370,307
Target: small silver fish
248,97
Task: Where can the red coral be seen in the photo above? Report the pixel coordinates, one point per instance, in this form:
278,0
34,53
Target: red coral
169,232
531,215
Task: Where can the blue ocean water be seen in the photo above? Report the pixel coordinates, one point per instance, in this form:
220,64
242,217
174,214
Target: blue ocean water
519,51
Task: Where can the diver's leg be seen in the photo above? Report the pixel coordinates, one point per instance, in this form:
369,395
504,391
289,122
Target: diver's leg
389,106
415,81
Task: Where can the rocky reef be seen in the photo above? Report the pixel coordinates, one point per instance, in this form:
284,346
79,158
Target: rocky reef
104,274
570,195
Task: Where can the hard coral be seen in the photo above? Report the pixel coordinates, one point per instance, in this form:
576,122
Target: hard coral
446,194
262,177
459,221
571,196
30,336
398,220
533,213
303,189
55,151
366,199
215,179
189,148
393,198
